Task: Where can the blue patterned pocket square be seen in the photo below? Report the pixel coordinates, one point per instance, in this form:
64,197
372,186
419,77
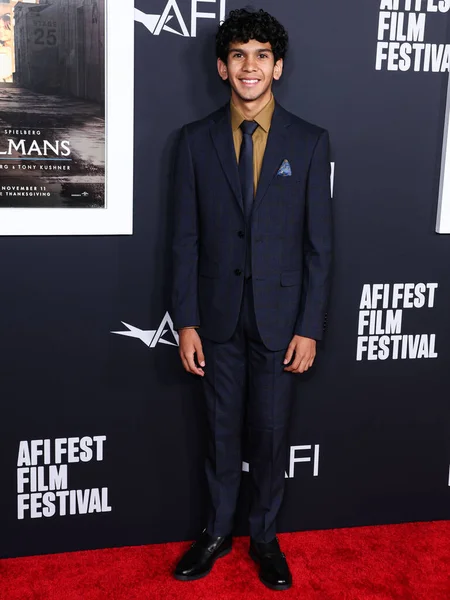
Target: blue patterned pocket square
285,169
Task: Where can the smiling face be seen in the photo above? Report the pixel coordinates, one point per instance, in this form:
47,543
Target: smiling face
250,69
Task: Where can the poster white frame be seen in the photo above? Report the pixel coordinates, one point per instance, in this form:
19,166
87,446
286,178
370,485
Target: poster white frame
443,211
116,218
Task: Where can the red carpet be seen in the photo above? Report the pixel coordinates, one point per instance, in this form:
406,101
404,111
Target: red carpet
401,562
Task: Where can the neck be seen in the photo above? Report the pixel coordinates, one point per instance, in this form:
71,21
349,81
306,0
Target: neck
250,109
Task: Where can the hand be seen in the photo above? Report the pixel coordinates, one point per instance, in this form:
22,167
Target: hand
305,351
190,344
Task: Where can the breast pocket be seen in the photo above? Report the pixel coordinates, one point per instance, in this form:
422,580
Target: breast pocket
284,180
289,186
290,192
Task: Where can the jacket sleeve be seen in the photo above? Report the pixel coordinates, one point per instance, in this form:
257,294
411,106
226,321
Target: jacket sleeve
318,241
185,239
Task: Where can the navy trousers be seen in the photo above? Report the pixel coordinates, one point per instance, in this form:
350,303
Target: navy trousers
244,382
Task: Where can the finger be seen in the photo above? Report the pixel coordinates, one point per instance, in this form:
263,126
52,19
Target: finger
198,370
299,358
304,365
289,354
199,360
187,357
184,361
295,364
298,364
200,355
289,368
192,367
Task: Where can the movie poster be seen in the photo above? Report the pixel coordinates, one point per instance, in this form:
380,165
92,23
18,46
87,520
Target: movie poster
53,111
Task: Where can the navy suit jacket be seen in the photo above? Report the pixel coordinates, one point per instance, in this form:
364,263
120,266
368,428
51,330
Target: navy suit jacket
290,231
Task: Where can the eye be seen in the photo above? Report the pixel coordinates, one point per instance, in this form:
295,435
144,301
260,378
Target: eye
237,55
263,55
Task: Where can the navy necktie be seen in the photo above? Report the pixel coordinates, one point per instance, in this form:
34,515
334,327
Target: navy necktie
246,165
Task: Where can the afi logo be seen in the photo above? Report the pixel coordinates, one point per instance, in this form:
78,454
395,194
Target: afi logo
312,457
151,337
171,13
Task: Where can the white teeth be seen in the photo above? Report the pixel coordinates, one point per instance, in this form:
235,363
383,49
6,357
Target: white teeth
250,80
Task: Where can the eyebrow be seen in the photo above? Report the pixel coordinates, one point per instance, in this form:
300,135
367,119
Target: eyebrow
242,51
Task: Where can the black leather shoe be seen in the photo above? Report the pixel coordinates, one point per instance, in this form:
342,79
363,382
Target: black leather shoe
201,556
274,571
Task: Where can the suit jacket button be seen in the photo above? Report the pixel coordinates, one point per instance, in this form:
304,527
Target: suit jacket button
238,271
241,234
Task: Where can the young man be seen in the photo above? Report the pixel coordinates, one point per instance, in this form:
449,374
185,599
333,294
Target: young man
252,258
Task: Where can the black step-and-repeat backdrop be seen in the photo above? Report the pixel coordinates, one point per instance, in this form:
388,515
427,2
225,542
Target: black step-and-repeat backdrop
102,432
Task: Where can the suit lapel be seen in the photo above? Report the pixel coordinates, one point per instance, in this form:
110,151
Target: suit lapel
274,153
222,136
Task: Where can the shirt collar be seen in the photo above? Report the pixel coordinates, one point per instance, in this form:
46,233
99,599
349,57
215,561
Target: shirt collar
263,118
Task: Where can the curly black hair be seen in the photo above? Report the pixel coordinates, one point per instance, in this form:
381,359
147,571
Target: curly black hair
243,25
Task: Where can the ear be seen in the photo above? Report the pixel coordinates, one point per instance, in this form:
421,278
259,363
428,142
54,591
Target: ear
278,69
222,69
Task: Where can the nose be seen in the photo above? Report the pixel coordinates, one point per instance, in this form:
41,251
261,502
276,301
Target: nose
250,64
